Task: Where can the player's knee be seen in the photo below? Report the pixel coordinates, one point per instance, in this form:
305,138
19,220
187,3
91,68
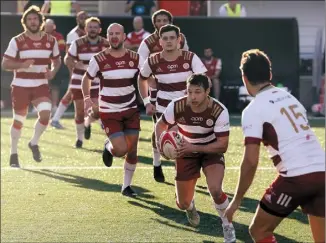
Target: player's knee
131,157
119,151
18,121
216,193
44,117
183,204
17,124
258,232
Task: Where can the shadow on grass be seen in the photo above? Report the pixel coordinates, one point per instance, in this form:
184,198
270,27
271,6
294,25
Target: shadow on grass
210,223
89,183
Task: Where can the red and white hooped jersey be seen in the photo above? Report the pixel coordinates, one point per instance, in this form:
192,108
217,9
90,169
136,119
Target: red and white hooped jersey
42,51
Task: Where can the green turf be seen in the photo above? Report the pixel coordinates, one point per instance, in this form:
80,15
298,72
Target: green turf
58,204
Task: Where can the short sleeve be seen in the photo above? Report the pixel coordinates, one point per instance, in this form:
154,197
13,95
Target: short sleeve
143,51
168,115
145,71
222,124
141,62
12,50
218,64
55,50
72,51
197,65
71,37
252,126
92,69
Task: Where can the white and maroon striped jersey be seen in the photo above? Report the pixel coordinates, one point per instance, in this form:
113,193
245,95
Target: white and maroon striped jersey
136,37
83,50
198,128
22,48
212,65
74,34
279,120
171,75
117,78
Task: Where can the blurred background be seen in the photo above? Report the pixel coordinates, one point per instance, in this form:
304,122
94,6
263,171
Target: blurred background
292,33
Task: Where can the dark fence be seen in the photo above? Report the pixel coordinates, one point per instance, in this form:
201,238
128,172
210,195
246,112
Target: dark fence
227,36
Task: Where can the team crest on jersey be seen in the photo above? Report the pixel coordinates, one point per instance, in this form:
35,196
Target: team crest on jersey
94,48
131,64
47,45
185,66
182,120
209,122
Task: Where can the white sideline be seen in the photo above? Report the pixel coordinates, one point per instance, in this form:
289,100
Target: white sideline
105,168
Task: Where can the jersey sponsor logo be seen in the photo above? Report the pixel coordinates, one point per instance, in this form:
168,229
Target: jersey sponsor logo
47,45
131,64
197,119
37,44
120,63
209,122
172,67
185,66
280,99
284,200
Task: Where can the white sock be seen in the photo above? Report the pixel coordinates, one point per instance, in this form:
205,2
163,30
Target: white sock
38,131
156,157
59,112
129,173
88,121
80,128
14,138
191,206
220,208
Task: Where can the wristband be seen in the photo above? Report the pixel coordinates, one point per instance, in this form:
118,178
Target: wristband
147,100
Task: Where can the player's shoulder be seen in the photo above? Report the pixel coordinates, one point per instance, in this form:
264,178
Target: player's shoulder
81,41
132,54
154,58
180,104
152,38
73,31
100,56
20,37
187,55
216,107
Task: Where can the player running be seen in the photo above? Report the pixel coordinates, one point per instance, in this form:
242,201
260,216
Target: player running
203,123
279,120
73,35
79,54
28,56
150,46
117,68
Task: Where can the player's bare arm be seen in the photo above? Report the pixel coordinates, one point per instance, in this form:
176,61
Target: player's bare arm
10,64
86,86
143,88
70,62
217,147
55,66
247,173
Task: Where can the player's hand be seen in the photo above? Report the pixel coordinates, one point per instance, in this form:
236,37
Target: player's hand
27,63
49,75
79,65
185,148
230,210
88,103
150,109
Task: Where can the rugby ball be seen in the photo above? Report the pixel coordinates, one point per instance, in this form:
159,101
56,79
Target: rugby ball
169,143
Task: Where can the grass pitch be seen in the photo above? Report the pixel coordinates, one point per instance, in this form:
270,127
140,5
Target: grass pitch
71,197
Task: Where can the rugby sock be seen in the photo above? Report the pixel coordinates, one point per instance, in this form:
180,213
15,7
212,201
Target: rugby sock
156,157
269,239
39,128
220,205
108,146
89,120
80,128
15,133
129,173
60,111
191,206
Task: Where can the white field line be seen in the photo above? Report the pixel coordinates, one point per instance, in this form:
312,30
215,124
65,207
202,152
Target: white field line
105,168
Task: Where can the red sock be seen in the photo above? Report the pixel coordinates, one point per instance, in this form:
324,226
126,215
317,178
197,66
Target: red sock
269,239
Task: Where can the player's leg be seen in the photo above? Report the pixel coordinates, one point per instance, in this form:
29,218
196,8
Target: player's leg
41,99
157,169
79,121
63,106
213,168
317,225
130,162
188,171
20,102
216,86
93,115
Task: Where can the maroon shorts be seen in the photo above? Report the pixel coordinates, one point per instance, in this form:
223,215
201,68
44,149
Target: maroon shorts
285,194
188,168
22,97
77,94
120,123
